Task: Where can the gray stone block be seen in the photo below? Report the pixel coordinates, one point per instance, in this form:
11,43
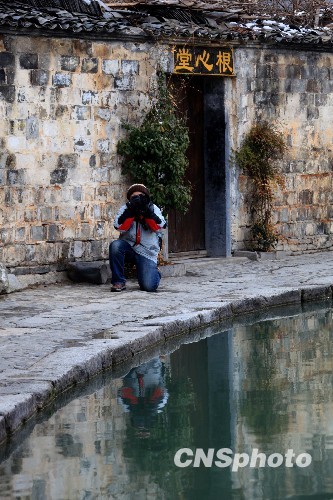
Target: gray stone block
69,63
6,59
90,65
316,293
14,284
150,338
67,161
295,71
20,233
18,283
312,113
3,432
62,80
81,113
15,176
125,82
89,97
96,249
267,72
173,270
38,233
16,409
90,272
41,390
103,114
247,305
110,66
59,176
246,253
267,255
283,298
39,77
4,283
29,61
7,76
46,214
121,352
130,67
7,93
68,367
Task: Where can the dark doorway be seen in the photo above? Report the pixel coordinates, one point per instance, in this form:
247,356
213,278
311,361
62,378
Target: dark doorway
205,228
187,231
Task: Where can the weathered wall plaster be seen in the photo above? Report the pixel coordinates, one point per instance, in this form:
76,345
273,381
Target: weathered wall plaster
62,102
294,90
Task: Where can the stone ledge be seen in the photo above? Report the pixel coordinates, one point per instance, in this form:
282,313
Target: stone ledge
178,269
68,367
43,269
4,283
316,293
15,409
18,283
3,432
256,255
96,272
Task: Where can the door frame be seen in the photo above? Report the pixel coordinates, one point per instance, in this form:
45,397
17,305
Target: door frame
217,171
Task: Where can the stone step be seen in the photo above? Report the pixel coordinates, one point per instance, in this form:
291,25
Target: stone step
97,272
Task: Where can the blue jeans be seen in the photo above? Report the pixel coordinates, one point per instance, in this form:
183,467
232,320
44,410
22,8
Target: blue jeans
148,275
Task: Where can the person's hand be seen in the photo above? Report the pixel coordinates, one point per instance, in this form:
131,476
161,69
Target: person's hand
149,211
130,211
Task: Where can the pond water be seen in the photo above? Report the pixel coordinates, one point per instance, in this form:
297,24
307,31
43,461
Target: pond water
264,386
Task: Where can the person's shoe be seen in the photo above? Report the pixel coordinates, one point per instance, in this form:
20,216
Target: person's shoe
118,287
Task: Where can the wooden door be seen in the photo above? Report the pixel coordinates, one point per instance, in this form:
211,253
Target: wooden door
187,231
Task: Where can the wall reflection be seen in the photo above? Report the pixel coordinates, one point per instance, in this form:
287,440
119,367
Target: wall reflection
76,454
266,385
283,398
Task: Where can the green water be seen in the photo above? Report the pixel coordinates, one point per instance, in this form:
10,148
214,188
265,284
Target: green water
264,386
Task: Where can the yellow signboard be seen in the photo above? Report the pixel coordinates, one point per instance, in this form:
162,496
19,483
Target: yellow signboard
193,60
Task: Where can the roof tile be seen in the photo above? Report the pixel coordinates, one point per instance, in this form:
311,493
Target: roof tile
156,20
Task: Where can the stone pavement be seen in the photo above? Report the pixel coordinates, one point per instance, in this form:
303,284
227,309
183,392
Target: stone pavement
52,337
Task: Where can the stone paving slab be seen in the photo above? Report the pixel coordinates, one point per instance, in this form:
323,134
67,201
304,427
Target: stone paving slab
53,337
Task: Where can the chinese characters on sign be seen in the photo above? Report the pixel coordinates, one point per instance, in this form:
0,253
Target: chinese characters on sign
203,60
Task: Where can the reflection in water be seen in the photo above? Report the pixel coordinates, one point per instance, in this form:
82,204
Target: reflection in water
144,394
265,386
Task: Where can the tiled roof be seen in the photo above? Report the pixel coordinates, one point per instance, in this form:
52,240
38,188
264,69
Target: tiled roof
153,21
91,7
193,4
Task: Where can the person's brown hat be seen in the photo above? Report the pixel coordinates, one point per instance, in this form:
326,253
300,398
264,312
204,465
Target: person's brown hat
137,187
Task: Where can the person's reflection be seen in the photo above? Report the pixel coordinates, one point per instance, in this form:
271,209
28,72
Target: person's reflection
144,394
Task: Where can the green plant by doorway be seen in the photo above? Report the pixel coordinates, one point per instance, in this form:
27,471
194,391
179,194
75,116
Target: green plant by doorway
155,152
259,155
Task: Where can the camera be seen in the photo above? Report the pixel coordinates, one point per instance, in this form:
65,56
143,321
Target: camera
139,203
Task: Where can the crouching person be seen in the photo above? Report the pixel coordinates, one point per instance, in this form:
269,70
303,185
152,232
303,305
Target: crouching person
140,223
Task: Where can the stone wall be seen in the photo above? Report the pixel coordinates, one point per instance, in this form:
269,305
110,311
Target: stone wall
293,89
62,102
